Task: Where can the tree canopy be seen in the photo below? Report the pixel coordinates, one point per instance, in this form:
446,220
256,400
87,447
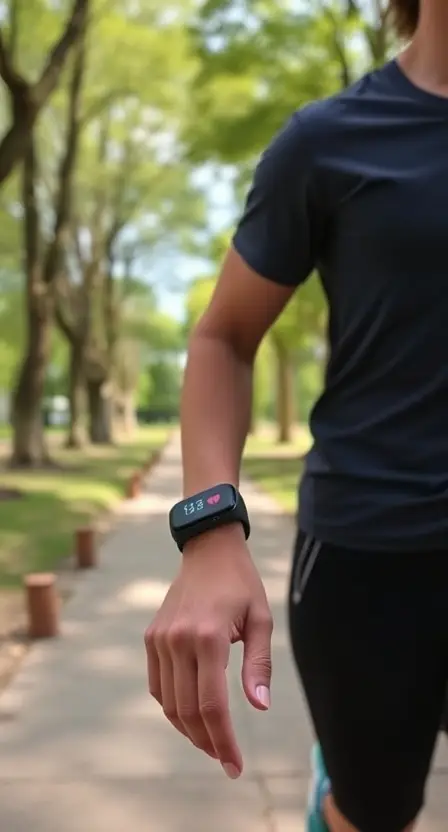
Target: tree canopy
110,112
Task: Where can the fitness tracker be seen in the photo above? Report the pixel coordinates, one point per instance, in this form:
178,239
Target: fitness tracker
207,510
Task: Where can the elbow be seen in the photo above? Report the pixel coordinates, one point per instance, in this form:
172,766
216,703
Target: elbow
225,337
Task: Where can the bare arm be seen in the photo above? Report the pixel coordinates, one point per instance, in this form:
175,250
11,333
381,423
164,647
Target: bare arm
218,597
217,394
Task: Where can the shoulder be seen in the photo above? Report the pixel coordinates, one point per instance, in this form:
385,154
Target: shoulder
311,128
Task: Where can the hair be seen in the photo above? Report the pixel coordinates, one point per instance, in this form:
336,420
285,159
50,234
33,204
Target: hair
405,15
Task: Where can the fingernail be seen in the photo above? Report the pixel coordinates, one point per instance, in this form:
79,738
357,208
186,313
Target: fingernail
263,695
231,770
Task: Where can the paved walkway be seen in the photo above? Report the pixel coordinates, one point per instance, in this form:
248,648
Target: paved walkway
84,749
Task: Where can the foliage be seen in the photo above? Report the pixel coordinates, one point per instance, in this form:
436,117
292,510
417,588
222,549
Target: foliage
164,91
127,197
29,76
164,383
259,61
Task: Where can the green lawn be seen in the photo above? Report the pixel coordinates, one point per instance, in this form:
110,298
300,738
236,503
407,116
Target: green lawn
5,431
276,468
36,531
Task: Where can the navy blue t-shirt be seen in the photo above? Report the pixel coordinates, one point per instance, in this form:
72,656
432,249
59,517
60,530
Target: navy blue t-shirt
357,187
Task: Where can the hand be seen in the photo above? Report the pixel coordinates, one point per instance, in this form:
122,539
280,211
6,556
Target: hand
216,600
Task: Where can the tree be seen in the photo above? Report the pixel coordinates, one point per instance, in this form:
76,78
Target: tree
43,263
11,328
13,336
148,338
92,309
245,97
27,99
255,69
133,196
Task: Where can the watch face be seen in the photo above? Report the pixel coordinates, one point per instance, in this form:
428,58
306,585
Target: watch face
210,503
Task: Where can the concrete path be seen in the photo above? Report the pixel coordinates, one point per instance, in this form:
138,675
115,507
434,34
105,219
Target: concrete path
84,749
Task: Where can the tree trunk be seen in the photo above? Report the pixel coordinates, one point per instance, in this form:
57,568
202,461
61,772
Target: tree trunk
29,447
76,435
129,417
285,395
124,418
28,433
13,145
100,417
28,100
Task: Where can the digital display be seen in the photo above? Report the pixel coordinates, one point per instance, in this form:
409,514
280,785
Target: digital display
221,498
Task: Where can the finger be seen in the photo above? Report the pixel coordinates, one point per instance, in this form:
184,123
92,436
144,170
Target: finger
213,655
168,694
153,668
185,671
257,665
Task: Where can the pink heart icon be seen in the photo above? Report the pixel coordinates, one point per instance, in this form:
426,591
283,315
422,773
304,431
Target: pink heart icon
215,498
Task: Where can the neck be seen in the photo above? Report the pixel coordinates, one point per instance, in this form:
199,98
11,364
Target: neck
426,59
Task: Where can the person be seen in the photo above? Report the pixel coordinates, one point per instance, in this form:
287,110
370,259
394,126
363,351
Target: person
355,186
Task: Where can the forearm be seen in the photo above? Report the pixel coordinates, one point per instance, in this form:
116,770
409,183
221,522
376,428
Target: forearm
215,413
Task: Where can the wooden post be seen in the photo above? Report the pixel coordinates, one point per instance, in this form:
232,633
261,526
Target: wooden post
134,487
42,605
85,549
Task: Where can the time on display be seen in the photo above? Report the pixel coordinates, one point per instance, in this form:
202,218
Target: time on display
193,507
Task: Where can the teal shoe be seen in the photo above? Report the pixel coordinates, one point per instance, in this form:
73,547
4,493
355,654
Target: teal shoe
319,788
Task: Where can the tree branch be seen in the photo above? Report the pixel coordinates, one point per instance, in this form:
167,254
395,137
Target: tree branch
13,27
63,200
63,321
26,99
13,80
339,45
58,55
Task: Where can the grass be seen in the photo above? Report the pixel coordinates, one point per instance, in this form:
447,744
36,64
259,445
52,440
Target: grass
276,468
36,531
5,431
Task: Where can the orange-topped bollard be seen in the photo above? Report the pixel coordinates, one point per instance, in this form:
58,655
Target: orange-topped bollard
85,549
42,605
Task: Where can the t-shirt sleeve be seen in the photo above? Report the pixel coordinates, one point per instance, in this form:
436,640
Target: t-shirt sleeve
278,231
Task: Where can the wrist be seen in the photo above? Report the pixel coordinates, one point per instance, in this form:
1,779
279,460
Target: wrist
220,507
230,535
